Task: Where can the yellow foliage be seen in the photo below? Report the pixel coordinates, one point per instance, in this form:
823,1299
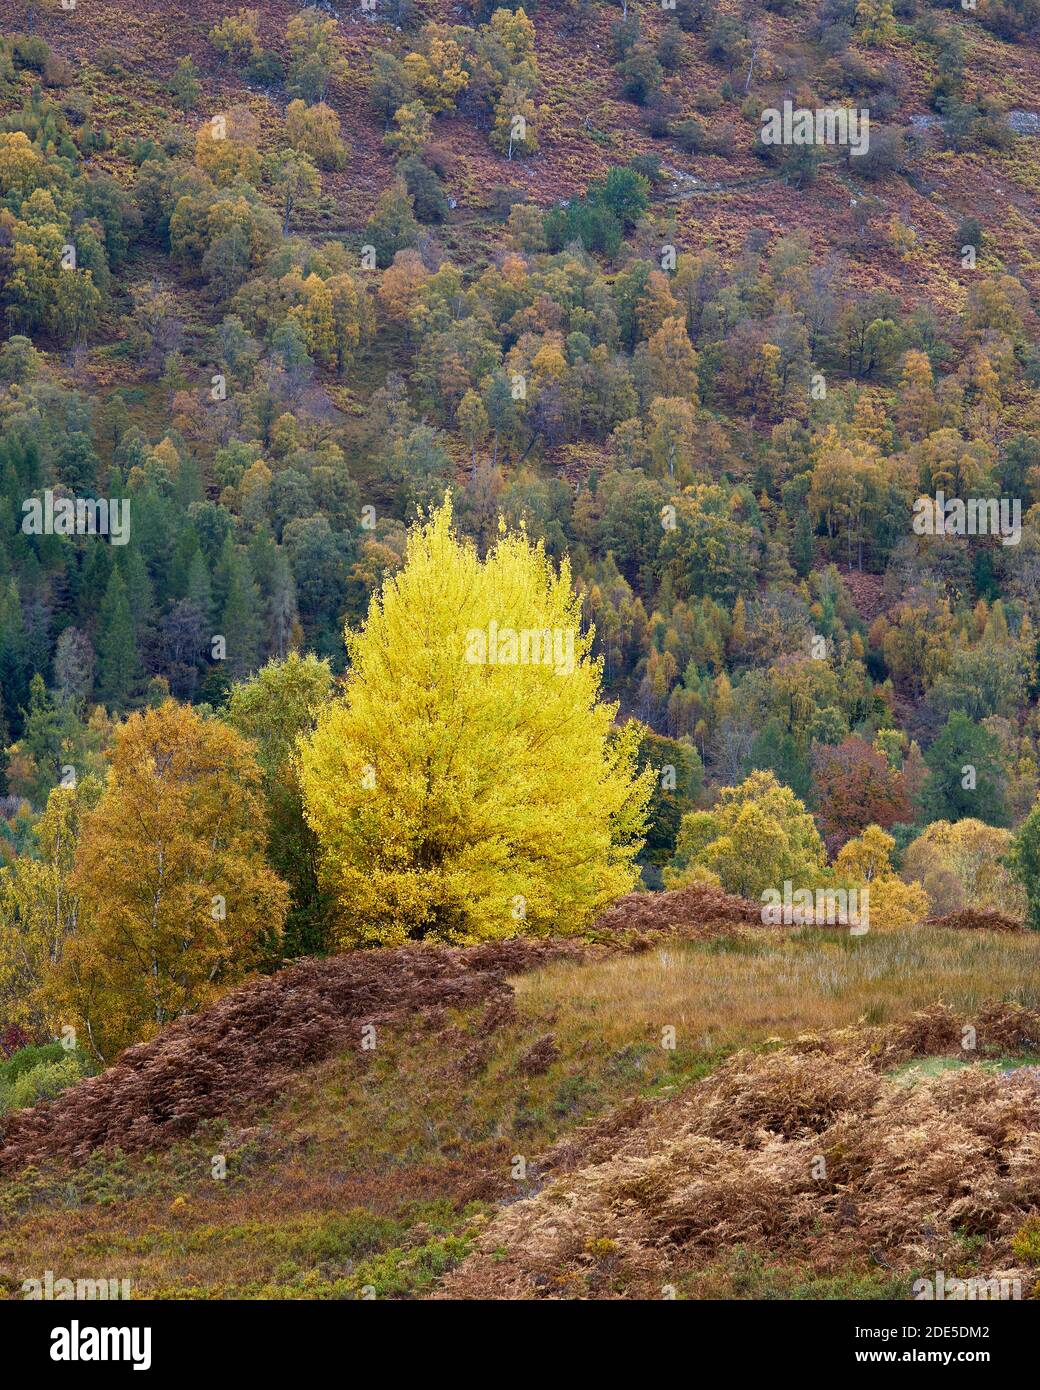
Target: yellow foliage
758,836
470,785
22,168
314,130
437,76
226,146
865,863
177,901
38,911
960,865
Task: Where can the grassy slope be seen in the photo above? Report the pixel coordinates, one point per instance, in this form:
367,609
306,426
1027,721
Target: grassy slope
378,1171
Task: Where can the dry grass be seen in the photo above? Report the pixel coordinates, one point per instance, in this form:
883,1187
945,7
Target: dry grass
724,994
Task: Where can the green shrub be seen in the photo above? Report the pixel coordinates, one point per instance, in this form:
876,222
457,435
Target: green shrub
425,189
42,1081
28,1057
30,52
1026,1243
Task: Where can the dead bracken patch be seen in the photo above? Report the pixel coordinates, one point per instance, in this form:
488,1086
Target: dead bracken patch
539,1057
237,1054
999,1030
805,1153
244,1050
972,919
240,1052
692,912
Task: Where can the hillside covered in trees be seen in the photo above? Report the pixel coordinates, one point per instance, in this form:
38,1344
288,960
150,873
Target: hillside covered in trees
455,473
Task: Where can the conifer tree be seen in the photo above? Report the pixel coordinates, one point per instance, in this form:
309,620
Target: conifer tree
200,591
240,614
118,661
273,709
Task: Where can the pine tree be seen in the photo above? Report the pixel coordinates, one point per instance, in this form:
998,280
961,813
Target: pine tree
139,593
199,591
119,665
802,547
273,709
1024,862
43,733
14,669
5,735
283,615
240,615
965,774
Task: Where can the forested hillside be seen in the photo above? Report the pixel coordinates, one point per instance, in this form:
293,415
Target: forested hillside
455,471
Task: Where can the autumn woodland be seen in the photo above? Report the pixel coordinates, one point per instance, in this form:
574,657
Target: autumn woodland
520,650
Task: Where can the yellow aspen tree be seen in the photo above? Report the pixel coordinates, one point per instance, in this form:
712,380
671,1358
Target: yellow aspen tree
316,319
673,360
470,785
866,863
875,22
